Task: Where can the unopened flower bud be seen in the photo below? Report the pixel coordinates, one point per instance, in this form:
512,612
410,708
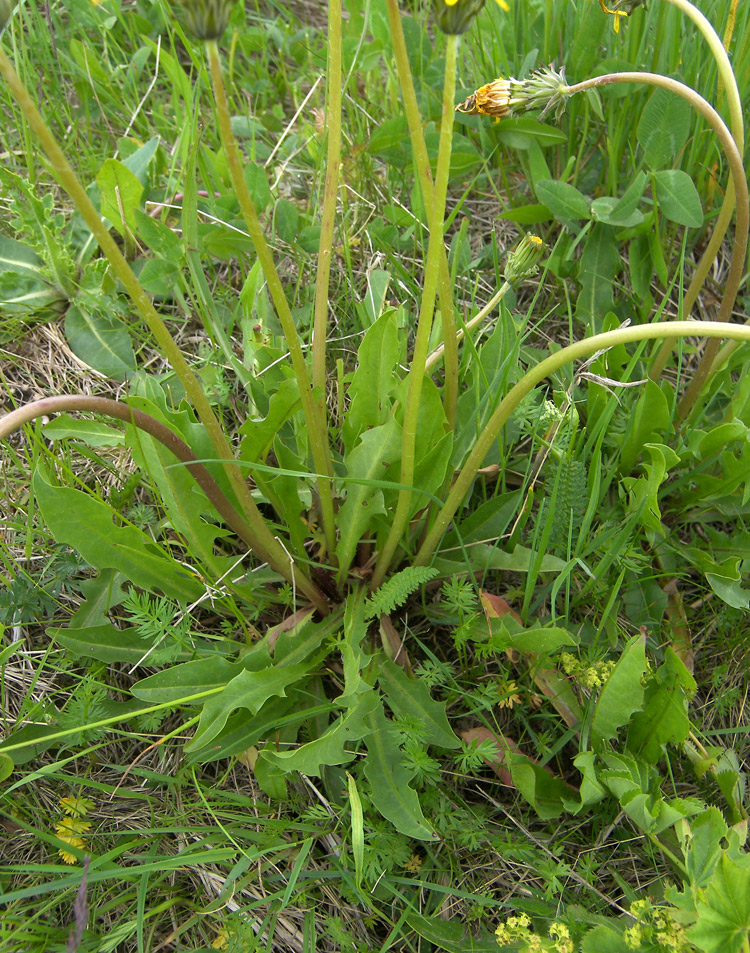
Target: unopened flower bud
523,261
456,16
6,8
205,19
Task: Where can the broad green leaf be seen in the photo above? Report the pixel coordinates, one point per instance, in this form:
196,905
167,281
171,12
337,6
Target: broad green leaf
139,161
241,732
102,593
600,262
519,133
602,210
259,433
374,379
80,521
286,220
678,198
484,557
184,501
547,794
622,693
374,301
663,128
257,182
101,341
643,491
664,718
723,910
528,214
6,767
334,746
702,846
409,698
455,936
103,642
371,460
628,201
246,690
565,202
209,675
389,781
603,939
19,258
159,237
91,432
651,417
540,640
120,194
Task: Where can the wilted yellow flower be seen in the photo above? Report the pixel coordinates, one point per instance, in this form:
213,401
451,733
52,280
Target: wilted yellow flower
494,99
615,13
543,89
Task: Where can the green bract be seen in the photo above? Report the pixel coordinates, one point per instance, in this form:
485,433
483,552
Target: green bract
205,19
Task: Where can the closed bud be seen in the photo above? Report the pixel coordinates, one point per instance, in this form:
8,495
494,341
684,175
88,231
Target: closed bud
456,16
205,19
523,261
6,8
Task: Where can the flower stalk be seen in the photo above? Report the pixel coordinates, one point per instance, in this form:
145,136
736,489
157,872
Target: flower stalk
424,173
424,325
739,248
333,161
734,103
311,407
547,367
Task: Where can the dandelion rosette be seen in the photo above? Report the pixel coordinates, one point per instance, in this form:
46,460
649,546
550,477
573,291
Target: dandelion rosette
544,89
456,16
205,19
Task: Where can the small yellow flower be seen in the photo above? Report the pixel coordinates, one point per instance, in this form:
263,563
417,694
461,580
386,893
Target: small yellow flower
413,864
69,830
510,696
222,939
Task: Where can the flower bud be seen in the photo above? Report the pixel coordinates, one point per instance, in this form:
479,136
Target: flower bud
524,260
456,16
205,19
6,8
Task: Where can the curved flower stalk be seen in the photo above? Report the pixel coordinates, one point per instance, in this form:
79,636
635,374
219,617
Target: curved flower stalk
551,364
150,425
547,89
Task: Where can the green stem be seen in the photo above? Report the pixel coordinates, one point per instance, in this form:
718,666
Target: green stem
424,173
739,248
122,411
333,161
574,352
426,312
434,356
266,543
310,406
734,103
